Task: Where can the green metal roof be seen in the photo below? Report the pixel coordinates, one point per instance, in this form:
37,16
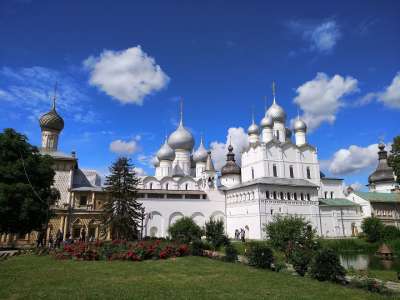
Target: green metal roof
379,197
336,202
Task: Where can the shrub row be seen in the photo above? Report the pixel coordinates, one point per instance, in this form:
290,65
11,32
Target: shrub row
122,250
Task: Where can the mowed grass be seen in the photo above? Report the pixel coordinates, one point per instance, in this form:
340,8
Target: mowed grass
33,277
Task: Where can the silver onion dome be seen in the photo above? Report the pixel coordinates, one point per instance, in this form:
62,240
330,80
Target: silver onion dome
299,125
51,120
267,122
156,162
166,152
200,155
277,113
253,128
181,138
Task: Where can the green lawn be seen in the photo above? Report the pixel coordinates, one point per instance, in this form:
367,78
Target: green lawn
32,277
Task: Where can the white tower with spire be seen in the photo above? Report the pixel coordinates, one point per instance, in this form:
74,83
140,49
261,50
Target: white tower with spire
200,159
278,116
209,174
300,130
182,142
165,157
267,125
253,132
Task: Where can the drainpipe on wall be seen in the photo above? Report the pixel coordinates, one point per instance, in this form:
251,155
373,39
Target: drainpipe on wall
320,221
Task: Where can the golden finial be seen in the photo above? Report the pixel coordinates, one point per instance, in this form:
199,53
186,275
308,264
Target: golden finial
273,90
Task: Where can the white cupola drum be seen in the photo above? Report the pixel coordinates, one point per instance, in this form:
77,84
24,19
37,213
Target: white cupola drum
278,116
51,124
267,125
200,159
165,157
300,130
182,142
253,132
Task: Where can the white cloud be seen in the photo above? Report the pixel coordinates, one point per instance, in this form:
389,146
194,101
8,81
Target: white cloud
239,143
391,95
322,37
321,98
356,186
128,75
140,171
353,159
124,147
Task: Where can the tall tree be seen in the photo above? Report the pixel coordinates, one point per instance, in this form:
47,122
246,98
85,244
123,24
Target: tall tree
122,211
394,157
26,178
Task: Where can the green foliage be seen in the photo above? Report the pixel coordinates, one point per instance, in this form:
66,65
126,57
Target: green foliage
26,178
394,157
349,245
185,230
122,212
390,233
300,258
197,247
370,284
326,266
215,233
285,232
231,254
259,255
373,228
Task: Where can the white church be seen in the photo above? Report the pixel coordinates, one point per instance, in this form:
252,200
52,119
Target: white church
279,175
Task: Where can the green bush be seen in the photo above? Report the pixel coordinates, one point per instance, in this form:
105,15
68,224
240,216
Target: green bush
349,245
197,247
300,258
326,266
231,254
285,232
373,229
390,233
370,284
279,266
259,255
185,230
215,233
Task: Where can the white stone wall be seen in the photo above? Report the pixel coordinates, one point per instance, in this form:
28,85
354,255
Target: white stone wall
331,186
165,212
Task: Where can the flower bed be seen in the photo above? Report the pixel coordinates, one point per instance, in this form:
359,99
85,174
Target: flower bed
122,250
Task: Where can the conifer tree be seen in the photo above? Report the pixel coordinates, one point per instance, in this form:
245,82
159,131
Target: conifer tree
122,212
394,157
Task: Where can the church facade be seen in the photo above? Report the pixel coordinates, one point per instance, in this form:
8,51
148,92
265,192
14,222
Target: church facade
279,175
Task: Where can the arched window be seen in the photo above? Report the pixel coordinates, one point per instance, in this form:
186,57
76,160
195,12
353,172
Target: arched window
166,186
274,170
274,195
186,186
295,196
151,185
326,194
252,173
308,173
291,172
277,135
331,195
288,196
302,197
281,195
267,194
308,197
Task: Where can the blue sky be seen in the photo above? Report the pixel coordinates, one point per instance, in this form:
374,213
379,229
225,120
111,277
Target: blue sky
122,66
